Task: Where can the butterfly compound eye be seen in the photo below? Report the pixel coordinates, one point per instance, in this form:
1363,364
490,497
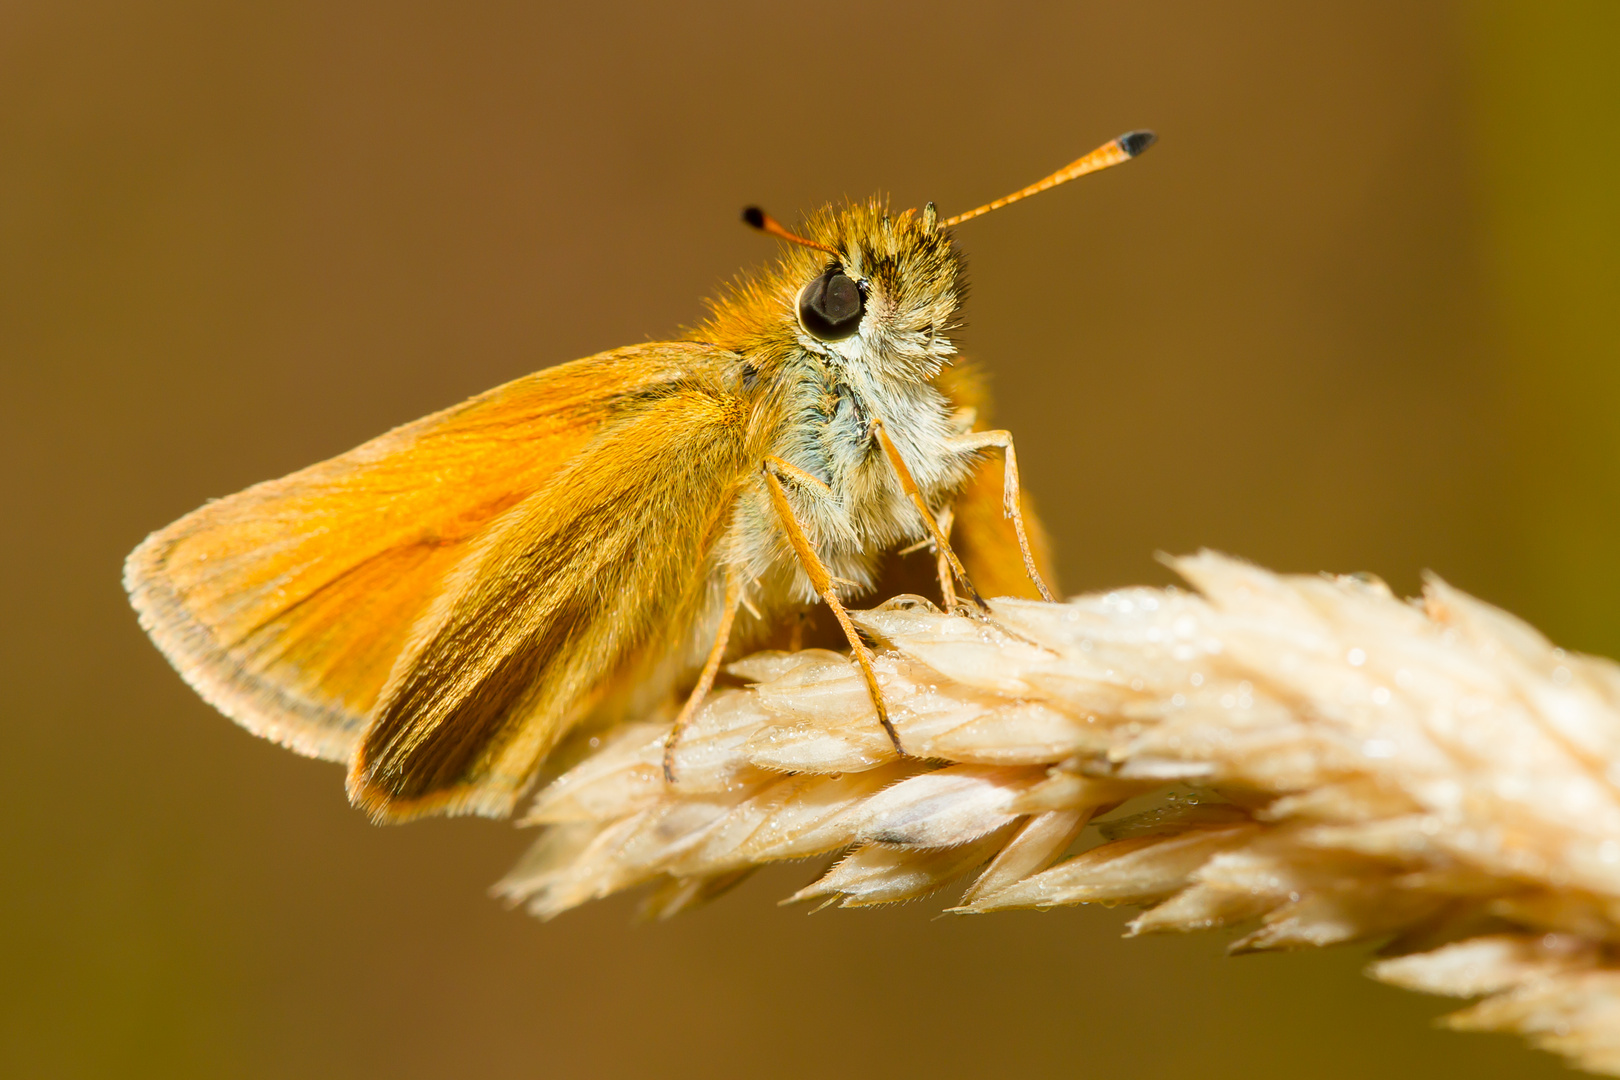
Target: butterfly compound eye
831,306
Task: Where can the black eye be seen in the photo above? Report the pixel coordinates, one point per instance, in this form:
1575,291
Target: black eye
831,306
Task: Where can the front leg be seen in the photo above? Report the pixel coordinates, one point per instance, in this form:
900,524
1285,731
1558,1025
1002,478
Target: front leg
972,443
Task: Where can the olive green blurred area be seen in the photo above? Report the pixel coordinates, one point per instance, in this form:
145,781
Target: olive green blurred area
1357,311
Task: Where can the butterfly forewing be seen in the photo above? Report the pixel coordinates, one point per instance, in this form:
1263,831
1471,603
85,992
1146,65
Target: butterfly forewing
287,605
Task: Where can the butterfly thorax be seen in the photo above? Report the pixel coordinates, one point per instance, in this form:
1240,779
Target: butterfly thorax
828,431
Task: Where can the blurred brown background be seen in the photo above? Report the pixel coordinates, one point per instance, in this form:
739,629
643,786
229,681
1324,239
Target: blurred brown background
1356,312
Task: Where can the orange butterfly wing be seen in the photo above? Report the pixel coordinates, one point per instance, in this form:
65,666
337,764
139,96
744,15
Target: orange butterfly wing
287,605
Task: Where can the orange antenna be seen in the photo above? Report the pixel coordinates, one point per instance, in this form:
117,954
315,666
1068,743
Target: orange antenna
1112,153
762,221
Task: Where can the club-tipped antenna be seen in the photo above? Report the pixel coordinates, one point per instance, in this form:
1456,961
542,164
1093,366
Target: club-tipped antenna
1106,156
762,221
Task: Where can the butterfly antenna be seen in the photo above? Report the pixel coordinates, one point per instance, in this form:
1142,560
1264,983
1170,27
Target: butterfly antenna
762,221
1114,152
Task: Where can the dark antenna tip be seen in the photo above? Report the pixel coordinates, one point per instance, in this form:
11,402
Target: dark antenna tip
1135,142
768,225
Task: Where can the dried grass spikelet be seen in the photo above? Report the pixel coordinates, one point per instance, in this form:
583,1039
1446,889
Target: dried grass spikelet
1340,765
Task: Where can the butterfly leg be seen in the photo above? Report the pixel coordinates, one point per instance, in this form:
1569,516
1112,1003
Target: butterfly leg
941,544
947,587
775,470
1002,440
705,683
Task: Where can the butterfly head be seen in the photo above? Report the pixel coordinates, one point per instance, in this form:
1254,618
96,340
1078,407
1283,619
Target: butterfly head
861,287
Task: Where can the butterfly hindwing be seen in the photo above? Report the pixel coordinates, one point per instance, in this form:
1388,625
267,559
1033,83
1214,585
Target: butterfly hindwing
613,552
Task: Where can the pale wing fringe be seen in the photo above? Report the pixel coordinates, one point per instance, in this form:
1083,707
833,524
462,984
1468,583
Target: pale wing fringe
1333,764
